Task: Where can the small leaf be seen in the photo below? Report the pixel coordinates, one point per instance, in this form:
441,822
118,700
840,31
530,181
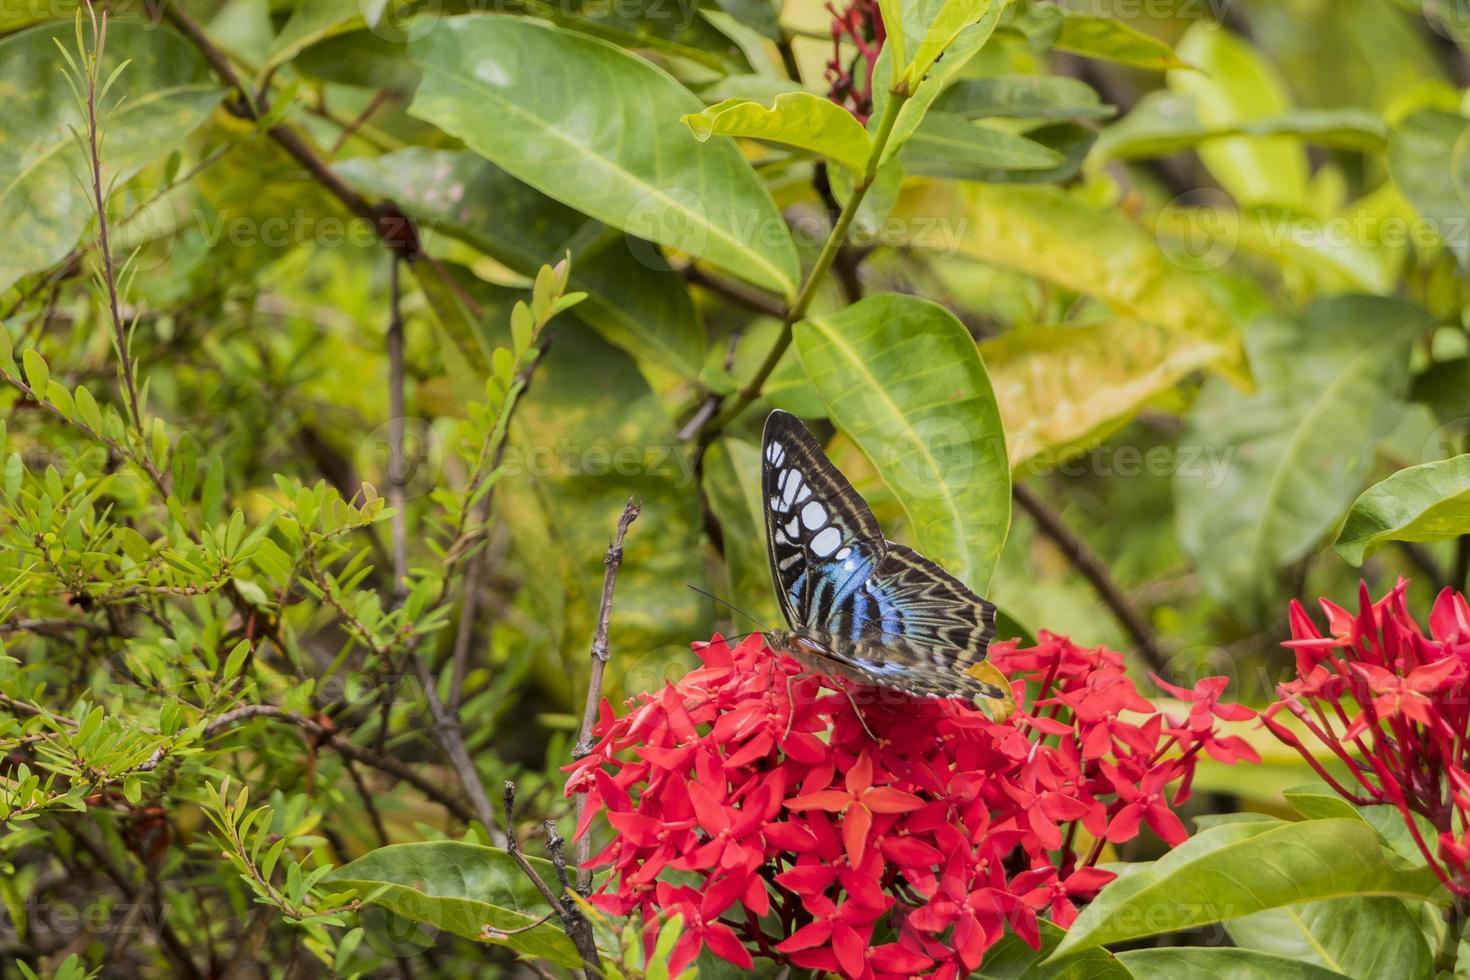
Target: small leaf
1109,39
801,119
37,373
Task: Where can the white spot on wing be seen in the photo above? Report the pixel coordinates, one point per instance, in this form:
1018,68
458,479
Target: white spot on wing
793,528
793,485
813,515
775,454
806,492
825,542
843,553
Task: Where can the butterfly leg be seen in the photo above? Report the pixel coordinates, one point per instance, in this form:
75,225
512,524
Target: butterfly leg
847,690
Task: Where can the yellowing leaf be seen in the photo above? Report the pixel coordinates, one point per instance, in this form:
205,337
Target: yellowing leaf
799,119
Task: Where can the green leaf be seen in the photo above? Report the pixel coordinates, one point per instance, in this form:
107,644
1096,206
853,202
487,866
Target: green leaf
1364,938
36,371
901,377
1237,869
1112,40
310,22
1013,959
946,145
732,483
1061,389
956,56
1168,122
938,34
634,299
1295,450
1427,161
166,92
1022,97
460,888
1197,962
1234,84
602,135
1047,233
1429,502
587,435
800,119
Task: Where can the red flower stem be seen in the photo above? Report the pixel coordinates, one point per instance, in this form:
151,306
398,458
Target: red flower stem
1408,817
1290,738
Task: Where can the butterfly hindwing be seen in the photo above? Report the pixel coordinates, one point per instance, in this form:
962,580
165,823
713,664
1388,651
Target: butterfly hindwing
877,610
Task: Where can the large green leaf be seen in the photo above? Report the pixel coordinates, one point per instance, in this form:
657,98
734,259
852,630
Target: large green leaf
461,887
634,299
1045,232
732,474
588,435
313,21
1429,502
1238,869
1364,938
1330,385
947,145
165,92
1428,156
903,379
1210,962
1234,84
1062,388
602,134
801,119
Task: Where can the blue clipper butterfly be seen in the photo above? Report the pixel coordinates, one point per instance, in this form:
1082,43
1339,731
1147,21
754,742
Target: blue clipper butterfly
860,606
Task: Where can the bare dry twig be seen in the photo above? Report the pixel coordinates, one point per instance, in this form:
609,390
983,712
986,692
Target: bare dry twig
611,562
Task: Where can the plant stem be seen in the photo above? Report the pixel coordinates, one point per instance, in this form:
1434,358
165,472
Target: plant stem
835,240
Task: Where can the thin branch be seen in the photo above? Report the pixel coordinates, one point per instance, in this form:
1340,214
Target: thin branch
1096,573
99,201
166,934
393,227
397,409
745,296
611,562
578,929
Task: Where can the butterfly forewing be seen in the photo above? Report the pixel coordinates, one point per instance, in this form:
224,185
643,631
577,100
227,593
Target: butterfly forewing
823,540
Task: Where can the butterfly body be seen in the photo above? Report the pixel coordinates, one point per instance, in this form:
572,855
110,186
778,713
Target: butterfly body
860,606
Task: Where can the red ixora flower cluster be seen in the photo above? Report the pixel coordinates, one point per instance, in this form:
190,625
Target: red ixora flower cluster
860,26
1393,704
752,800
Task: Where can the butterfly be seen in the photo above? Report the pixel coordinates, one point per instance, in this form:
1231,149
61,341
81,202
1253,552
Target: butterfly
860,606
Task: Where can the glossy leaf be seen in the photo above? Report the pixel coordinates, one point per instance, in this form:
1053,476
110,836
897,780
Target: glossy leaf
1328,388
1238,869
1364,938
901,377
460,887
166,92
313,21
1232,85
947,145
634,299
1209,962
1429,502
601,133
800,119
932,37
964,47
1060,389
1109,39
1045,232
1427,157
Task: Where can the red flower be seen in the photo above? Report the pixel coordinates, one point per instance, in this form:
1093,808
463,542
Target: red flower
759,808
1394,706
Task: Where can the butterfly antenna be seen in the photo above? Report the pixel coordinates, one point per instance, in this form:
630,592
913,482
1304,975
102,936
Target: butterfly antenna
731,605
